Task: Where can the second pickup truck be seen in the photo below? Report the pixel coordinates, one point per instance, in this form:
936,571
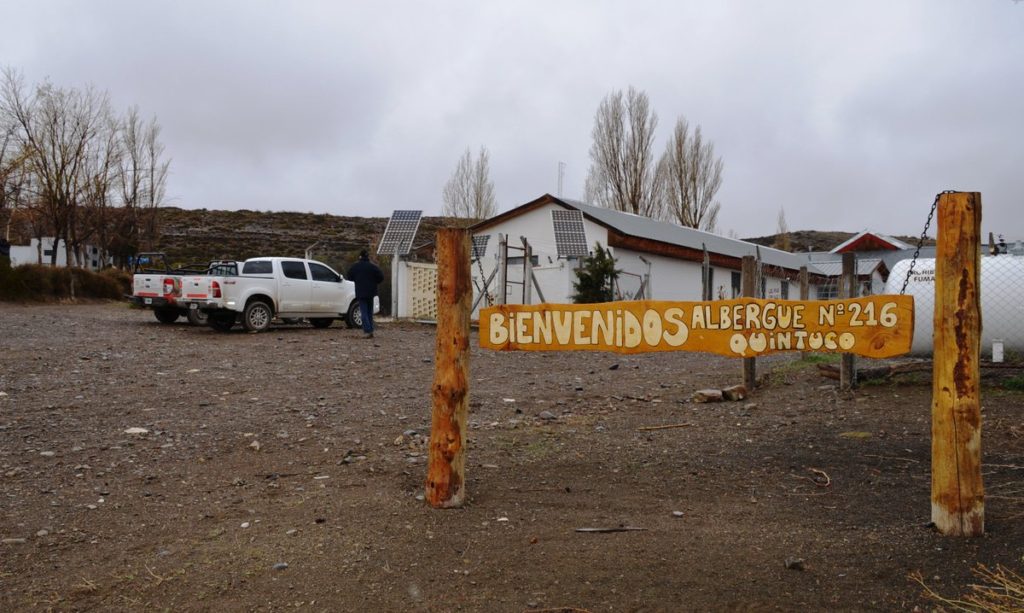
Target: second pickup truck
268,288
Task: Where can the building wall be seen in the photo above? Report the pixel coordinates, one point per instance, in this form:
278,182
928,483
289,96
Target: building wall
30,254
668,278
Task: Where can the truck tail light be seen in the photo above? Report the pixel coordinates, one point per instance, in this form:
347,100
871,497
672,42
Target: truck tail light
215,289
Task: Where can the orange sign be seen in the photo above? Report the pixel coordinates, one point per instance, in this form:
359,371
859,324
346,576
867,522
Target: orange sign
874,326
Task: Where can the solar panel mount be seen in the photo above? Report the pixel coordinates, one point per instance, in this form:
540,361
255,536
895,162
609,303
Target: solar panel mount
570,234
399,233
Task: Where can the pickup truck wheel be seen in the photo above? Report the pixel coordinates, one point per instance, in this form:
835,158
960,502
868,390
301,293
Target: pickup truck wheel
222,322
166,316
197,317
257,316
354,319
321,322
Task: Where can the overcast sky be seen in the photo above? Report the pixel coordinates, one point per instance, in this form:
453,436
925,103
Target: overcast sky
846,115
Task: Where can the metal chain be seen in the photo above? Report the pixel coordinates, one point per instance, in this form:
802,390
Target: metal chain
924,235
483,277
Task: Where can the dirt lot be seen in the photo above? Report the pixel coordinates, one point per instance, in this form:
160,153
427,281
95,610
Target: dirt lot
284,470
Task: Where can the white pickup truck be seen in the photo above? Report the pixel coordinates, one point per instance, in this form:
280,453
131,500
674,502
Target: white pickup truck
157,286
268,288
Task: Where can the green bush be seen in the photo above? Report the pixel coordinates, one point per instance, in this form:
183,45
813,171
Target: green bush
595,280
1015,383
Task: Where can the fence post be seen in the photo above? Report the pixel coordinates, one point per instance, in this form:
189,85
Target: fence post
527,272
805,294
958,494
848,289
446,479
748,290
503,269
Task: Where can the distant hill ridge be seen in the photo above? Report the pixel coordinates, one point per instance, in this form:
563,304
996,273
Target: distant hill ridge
192,236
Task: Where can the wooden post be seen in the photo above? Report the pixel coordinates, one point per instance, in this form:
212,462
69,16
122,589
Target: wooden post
747,283
446,479
502,269
958,494
805,294
527,272
848,289
705,269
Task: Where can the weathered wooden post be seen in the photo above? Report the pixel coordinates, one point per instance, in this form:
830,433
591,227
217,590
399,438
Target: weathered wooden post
502,269
446,478
958,494
805,294
527,272
747,289
848,289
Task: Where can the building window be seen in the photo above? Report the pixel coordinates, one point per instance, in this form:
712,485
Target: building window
737,279
784,290
828,292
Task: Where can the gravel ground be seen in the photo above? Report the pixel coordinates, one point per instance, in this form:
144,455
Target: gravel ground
147,466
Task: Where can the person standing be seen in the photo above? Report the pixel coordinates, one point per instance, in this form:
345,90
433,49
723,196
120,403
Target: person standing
367,276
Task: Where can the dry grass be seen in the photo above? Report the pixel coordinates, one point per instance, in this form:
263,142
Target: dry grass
1001,591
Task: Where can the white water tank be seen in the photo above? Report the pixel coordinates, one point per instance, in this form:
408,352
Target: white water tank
1002,300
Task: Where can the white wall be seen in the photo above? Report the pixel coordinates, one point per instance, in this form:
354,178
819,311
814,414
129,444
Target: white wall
554,275
22,254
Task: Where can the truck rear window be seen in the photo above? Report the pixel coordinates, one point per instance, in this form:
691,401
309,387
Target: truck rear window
260,267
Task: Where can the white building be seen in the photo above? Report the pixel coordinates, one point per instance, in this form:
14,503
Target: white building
659,260
40,252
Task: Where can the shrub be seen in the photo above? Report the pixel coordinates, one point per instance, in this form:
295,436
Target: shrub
39,283
1015,383
595,280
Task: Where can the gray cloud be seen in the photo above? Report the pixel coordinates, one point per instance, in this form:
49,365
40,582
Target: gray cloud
847,116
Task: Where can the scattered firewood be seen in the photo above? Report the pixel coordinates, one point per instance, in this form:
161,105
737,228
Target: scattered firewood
665,427
831,371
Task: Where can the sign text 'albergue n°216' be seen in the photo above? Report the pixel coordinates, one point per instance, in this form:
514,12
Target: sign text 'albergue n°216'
875,326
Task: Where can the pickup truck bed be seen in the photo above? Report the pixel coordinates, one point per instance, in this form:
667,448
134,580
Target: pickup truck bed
158,286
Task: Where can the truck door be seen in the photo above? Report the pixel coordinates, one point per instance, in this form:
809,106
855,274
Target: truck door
295,287
327,294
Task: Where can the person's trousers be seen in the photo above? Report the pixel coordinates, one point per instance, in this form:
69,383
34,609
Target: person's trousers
366,312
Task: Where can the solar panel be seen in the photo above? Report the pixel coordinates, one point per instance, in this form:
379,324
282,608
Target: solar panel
480,246
570,235
399,233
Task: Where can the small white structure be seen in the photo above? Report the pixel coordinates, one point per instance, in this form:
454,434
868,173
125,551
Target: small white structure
659,260
40,252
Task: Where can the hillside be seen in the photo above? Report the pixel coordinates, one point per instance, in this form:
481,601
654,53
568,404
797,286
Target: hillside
200,235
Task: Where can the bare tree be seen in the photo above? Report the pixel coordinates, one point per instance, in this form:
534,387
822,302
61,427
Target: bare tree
622,172
56,127
13,176
94,215
782,240
690,176
469,193
141,180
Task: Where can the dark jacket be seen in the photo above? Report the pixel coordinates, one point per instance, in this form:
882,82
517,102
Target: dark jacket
366,275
